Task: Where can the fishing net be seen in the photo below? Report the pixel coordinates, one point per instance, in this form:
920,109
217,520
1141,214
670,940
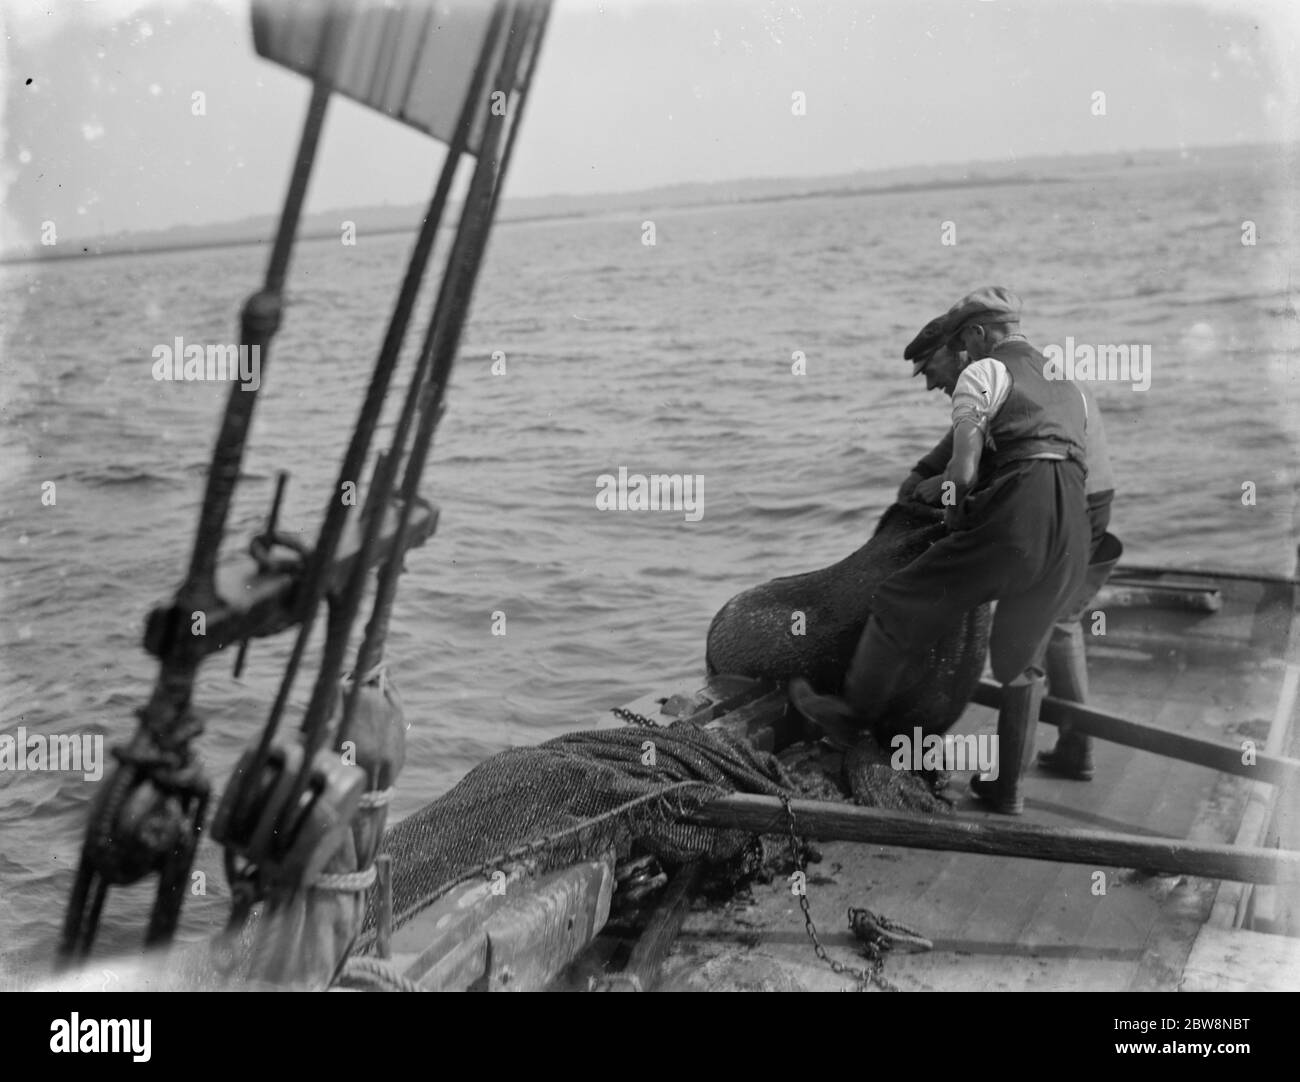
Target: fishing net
577,796
808,625
571,799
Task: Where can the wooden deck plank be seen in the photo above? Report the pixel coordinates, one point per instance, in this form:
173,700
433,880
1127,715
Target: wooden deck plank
939,897
1024,915
983,914
975,909
1167,795
1067,939
1085,922
1066,923
1188,905
1056,908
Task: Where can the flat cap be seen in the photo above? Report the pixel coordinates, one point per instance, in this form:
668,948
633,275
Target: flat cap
990,304
921,348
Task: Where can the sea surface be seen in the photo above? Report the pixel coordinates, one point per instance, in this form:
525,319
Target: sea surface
670,358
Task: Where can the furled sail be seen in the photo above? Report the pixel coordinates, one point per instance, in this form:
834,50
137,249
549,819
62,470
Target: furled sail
410,59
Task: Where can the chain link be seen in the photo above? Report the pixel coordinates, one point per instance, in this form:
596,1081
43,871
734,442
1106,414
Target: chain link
633,718
874,945
863,978
885,933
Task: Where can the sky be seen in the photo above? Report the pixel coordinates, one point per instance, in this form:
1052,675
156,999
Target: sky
629,94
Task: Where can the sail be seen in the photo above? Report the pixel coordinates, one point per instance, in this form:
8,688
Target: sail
410,59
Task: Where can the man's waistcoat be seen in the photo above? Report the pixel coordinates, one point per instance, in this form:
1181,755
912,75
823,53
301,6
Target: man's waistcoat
1040,415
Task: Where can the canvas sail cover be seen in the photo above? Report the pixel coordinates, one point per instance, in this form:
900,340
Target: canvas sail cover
411,59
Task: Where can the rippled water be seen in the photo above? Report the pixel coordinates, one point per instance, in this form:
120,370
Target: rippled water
669,359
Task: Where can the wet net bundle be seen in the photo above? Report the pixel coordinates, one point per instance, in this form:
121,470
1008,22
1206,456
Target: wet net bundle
577,796
571,799
751,635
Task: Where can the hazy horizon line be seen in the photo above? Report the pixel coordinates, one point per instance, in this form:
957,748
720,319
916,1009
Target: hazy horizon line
33,253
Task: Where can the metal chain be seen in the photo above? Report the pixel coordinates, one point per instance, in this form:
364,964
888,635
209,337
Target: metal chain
874,946
632,718
885,933
863,977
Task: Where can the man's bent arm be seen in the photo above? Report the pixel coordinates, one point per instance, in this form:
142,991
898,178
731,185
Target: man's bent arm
963,468
981,389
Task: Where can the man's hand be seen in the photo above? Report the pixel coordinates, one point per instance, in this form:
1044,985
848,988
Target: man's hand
907,490
929,491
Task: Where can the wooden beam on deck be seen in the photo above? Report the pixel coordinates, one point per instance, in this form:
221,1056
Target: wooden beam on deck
1228,758
830,821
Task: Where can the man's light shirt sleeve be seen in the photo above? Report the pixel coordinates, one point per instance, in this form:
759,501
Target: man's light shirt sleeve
981,389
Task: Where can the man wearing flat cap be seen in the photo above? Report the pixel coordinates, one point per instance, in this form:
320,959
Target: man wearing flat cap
1066,662
924,483
1018,522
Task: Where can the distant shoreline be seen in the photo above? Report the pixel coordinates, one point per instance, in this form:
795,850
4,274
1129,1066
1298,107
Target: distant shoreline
251,239
390,221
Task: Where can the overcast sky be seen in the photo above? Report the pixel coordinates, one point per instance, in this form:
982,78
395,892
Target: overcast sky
629,95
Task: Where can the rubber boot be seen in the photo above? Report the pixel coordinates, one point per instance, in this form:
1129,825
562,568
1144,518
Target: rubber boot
1067,665
1017,723
1067,676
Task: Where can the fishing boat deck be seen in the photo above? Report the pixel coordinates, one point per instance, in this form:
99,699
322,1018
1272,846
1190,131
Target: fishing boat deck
1002,924
1202,668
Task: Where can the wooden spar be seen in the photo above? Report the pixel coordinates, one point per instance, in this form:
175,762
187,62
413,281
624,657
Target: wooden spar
827,821
1276,769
